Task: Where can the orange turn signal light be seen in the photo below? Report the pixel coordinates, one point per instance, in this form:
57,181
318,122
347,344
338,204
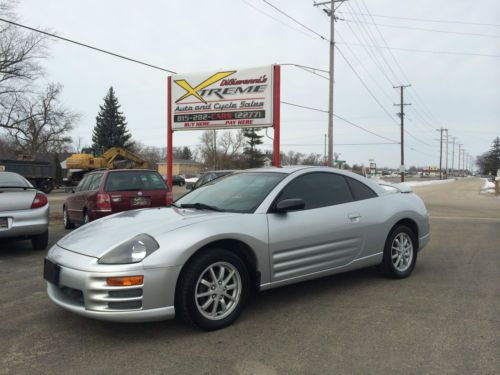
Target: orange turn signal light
125,281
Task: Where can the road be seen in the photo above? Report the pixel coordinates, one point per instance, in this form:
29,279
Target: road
443,319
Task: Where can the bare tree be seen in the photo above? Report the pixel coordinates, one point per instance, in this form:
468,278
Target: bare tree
313,159
292,158
40,123
223,150
20,54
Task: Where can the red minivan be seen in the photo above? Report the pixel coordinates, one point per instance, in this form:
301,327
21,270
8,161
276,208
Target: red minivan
103,193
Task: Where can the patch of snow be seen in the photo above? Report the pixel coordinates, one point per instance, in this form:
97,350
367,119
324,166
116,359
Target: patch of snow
488,187
426,183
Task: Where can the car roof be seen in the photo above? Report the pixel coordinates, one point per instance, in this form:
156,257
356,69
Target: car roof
295,168
120,170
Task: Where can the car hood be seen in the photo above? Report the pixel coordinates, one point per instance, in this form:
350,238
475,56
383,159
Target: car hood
98,237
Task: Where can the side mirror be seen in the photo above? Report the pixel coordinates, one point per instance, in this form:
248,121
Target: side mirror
293,204
189,187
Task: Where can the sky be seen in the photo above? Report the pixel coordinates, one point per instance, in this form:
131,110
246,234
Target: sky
459,92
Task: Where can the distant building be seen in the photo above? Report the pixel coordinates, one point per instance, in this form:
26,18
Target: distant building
181,167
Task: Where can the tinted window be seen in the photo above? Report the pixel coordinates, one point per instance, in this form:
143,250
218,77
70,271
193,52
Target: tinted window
359,190
83,183
318,190
94,183
8,179
134,180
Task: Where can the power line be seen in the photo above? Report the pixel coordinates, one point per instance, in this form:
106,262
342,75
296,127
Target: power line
460,53
429,30
365,85
433,20
87,46
277,19
295,20
309,70
337,144
340,118
373,41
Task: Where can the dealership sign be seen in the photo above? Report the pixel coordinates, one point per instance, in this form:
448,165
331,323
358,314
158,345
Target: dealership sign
224,99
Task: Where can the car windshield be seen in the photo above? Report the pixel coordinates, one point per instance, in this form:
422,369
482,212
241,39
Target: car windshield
134,180
239,192
13,180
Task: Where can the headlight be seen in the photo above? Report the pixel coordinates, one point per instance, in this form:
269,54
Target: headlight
131,251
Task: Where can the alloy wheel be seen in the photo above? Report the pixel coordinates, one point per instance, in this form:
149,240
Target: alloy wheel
402,252
218,290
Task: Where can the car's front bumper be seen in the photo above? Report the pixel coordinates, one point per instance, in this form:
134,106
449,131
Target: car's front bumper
28,222
82,289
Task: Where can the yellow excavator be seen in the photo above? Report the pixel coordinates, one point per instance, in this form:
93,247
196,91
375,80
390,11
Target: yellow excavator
114,158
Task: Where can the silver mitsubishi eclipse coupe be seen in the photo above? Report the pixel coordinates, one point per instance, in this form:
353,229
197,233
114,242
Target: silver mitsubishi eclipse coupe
252,230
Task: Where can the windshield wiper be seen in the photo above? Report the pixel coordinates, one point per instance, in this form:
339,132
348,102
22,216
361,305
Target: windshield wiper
200,206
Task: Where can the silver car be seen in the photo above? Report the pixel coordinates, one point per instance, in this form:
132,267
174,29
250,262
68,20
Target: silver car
252,230
24,211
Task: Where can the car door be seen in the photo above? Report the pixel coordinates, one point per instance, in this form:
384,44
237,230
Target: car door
320,237
367,209
90,195
75,201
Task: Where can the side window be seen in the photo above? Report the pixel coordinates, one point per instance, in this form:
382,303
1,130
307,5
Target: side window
359,190
82,183
94,183
318,189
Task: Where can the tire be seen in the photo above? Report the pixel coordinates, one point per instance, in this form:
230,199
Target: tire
40,241
86,217
46,186
199,311
66,221
400,253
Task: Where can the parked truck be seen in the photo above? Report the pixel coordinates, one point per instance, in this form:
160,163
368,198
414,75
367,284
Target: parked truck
39,173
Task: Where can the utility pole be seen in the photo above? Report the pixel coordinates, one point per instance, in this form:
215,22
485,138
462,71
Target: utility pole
463,155
441,153
459,150
325,161
331,13
402,117
453,157
446,163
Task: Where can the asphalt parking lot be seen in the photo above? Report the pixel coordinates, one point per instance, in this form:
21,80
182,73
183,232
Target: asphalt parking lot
443,319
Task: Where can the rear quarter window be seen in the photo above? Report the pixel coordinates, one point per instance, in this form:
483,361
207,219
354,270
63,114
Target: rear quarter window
359,190
134,180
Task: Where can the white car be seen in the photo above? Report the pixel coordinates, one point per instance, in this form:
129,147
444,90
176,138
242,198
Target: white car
24,211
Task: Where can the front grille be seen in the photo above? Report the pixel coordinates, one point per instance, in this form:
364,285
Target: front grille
128,305
125,293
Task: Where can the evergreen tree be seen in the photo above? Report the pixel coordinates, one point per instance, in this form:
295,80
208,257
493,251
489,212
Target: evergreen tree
111,126
493,157
254,157
489,162
186,153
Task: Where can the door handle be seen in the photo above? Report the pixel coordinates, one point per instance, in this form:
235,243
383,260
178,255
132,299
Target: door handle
354,217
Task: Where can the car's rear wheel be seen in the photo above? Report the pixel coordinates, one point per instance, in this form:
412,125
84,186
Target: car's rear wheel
86,217
400,253
212,289
40,241
66,220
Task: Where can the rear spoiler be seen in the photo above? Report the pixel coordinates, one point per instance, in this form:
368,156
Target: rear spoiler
401,188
